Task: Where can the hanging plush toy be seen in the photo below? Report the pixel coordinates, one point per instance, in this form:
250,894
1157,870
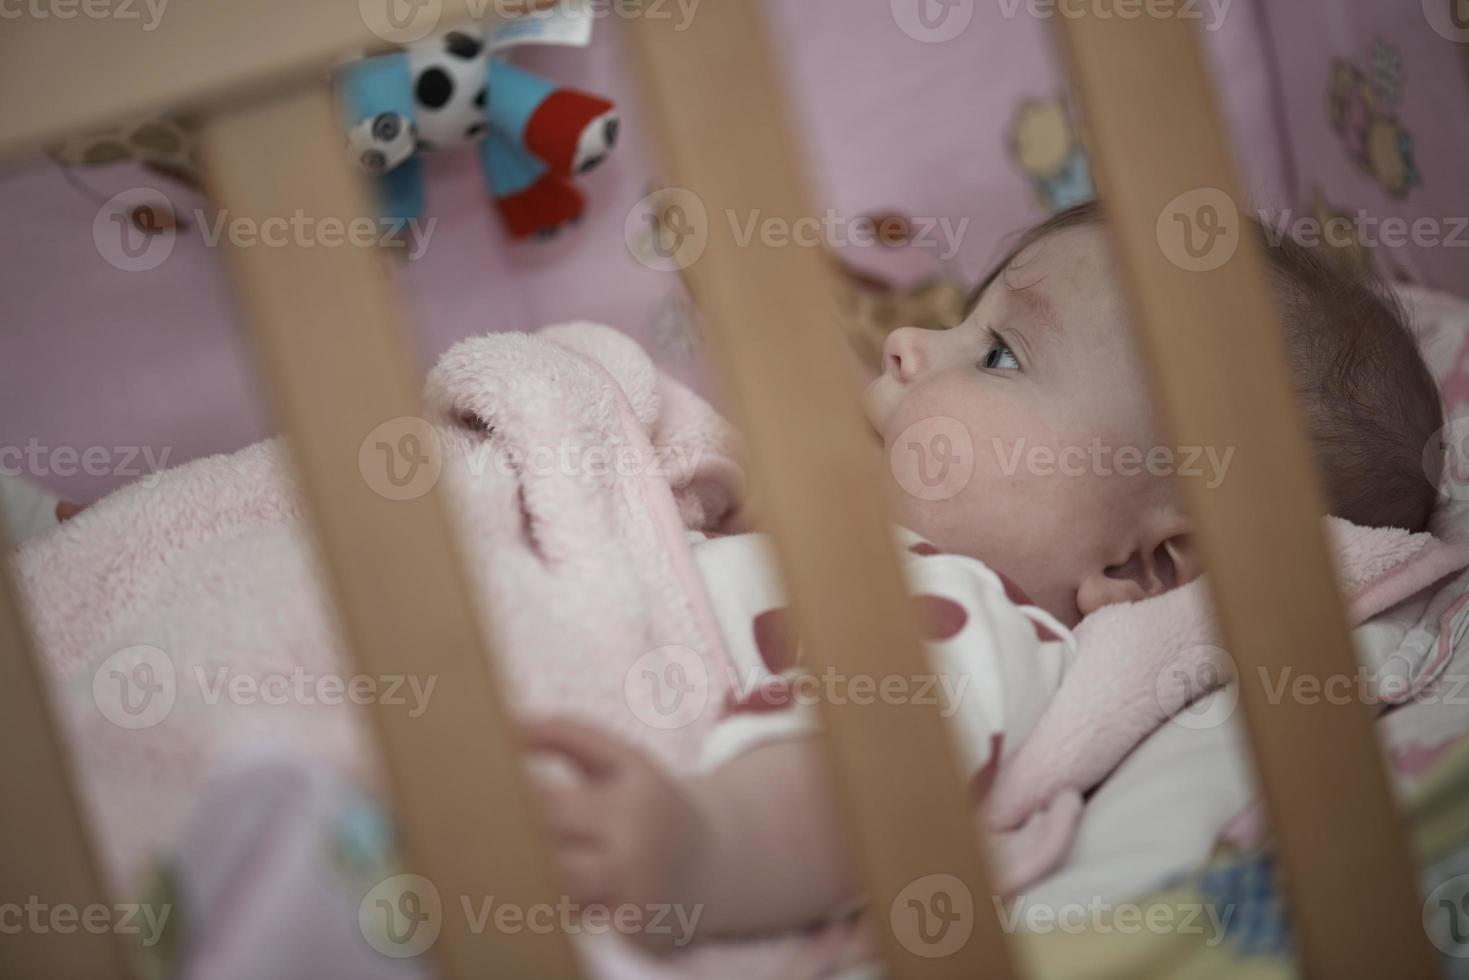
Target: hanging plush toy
448,91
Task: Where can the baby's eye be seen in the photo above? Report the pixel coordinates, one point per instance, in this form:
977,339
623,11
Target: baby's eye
1000,357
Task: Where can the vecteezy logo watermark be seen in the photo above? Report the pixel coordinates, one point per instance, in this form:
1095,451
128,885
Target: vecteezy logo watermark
150,12
402,917
1211,12
1199,230
1194,688
932,21
667,230
667,688
136,687
933,459
38,460
1099,459
933,917
402,458
126,232
1446,916
40,917
1446,459
400,21
1448,18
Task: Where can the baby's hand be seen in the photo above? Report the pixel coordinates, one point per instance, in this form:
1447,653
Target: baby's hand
627,834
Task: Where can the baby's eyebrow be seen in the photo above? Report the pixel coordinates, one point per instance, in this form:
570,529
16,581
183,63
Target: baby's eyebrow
1037,303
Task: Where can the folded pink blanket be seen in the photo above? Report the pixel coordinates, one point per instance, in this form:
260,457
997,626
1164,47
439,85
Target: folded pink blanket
1139,664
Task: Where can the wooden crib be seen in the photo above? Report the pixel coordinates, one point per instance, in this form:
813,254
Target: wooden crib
332,345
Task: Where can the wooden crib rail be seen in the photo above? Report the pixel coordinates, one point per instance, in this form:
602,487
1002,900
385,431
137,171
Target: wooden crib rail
48,851
61,74
1211,332
345,382
773,324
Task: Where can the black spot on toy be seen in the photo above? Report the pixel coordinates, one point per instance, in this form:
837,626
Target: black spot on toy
434,89
462,45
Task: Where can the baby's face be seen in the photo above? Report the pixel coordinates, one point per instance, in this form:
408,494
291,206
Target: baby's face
1045,381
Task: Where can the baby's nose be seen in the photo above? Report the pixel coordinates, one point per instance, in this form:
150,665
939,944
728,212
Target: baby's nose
904,353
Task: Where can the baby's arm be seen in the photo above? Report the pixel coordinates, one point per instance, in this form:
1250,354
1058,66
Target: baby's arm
753,843
748,847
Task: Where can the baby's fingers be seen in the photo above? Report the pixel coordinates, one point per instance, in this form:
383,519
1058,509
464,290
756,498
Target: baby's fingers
570,810
595,754
589,875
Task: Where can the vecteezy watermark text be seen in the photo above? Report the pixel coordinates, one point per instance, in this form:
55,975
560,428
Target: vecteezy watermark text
936,21
1210,12
138,686
668,688
35,459
838,231
1100,917
669,229
409,21
129,235
1099,459
150,12
309,231
402,917
39,917
403,459
1364,229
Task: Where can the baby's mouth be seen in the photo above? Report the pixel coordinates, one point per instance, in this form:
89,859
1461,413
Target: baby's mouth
869,407
877,419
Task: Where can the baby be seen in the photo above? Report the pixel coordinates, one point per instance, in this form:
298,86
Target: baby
1045,357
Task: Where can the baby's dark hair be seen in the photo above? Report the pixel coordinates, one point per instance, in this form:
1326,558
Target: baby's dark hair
1371,405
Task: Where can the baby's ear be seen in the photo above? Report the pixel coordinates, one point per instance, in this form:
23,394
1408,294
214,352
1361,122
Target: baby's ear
1164,558
1182,558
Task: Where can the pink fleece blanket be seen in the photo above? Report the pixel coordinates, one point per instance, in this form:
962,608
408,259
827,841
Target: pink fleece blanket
185,621
1139,664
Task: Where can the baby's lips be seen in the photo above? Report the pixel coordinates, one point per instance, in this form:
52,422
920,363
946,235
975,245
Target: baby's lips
872,405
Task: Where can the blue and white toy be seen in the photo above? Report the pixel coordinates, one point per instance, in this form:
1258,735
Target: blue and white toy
448,91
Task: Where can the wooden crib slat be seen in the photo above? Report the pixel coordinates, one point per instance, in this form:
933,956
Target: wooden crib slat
61,74
1213,341
772,321
48,852
328,331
